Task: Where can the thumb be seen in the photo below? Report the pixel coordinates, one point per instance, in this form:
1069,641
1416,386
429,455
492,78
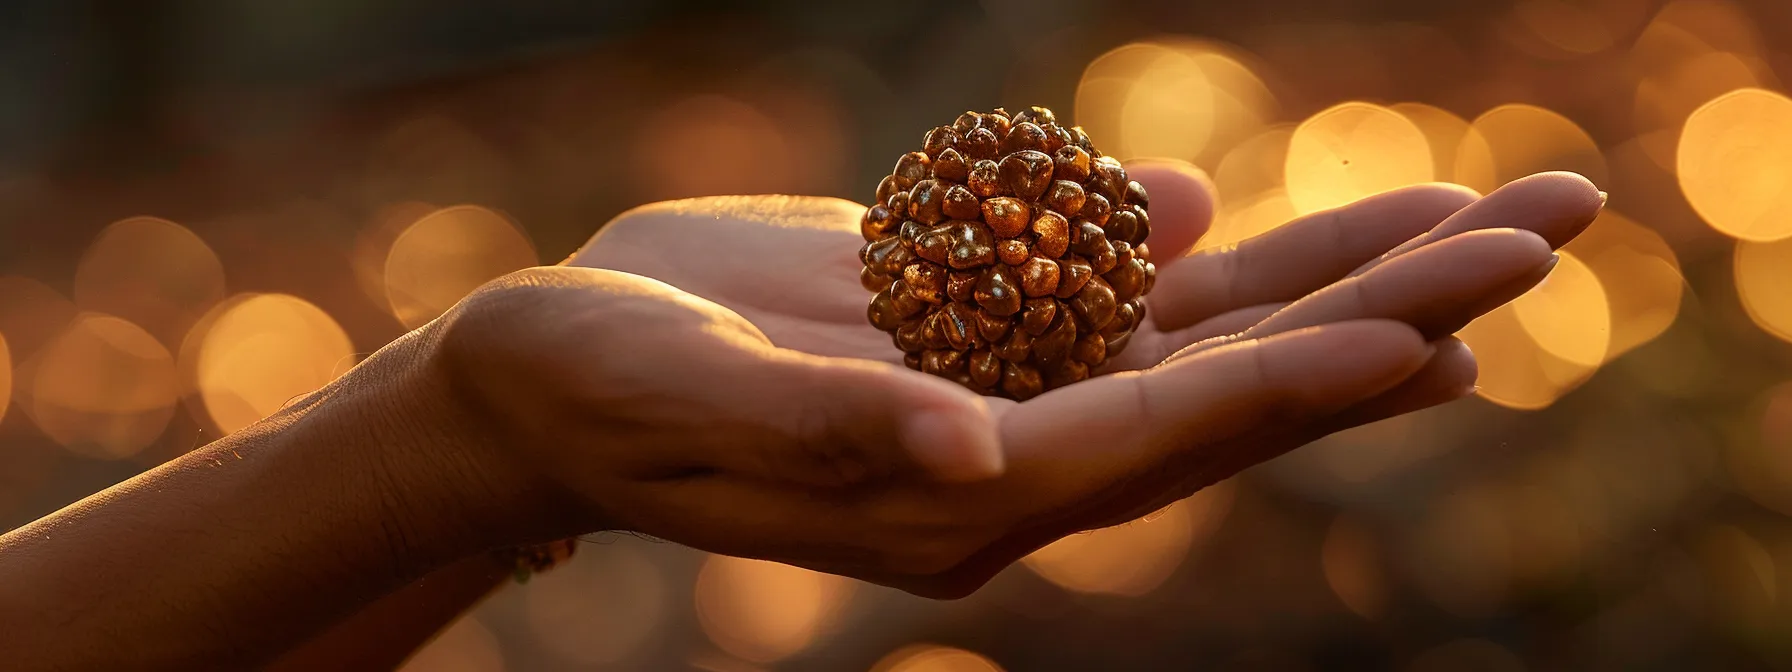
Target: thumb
850,419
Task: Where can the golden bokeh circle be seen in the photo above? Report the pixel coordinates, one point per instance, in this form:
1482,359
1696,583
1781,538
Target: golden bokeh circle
933,658
564,618
1443,131
1639,273
447,254
104,387
765,611
1352,151
1511,141
152,272
1171,97
1763,274
256,352
1135,558
1567,314
1734,162
1514,371
1351,563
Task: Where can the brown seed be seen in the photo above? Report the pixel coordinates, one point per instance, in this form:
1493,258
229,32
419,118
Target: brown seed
1024,136
1012,251
926,202
911,168
886,257
1126,318
958,326
1086,238
886,188
926,280
1016,348
1103,260
982,144
998,122
911,232
961,285
908,336
934,245
1026,173
898,203
872,281
1107,178
1090,349
1037,115
1053,233
985,179
942,362
1070,163
951,167
1006,215
1039,277
1067,372
1150,278
1142,250
1122,225
912,360
1053,346
967,122
1057,138
1073,273
986,368
882,312
1128,279
903,298
938,140
879,223
1123,252
1038,315
1094,304
992,328
997,291
931,336
1144,231
1066,197
1135,194
1096,208
1082,139
972,245
1021,382
961,204
1117,344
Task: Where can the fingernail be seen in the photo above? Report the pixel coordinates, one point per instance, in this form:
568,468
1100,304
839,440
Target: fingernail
953,446
1467,391
1603,197
1554,258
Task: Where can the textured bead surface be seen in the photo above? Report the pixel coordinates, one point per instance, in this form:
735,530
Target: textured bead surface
1007,254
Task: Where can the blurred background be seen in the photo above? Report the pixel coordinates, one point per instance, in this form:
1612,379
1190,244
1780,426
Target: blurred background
208,207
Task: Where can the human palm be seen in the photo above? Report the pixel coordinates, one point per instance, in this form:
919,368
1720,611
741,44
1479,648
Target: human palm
1335,320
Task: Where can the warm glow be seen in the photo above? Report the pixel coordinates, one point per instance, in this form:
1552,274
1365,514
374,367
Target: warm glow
255,353
1514,371
1567,26
1739,574
1734,162
1443,133
598,608
1567,314
1352,567
1639,273
931,658
1761,465
446,255
711,145
1764,281
465,646
374,243
104,387
1664,100
5,377
1248,183
31,313
1351,151
1175,98
1512,141
152,272
1462,555
765,611
1135,558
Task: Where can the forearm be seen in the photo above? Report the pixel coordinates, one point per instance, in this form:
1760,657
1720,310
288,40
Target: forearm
237,551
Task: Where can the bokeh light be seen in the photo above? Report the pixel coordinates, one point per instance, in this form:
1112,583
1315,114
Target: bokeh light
1734,162
1352,567
1443,131
1739,574
1568,29
932,658
1567,314
710,145
447,254
31,313
1248,184
599,608
374,243
1511,141
1135,558
1461,553
152,272
1174,97
255,353
104,387
1639,275
464,646
1760,461
1763,273
764,611
1352,151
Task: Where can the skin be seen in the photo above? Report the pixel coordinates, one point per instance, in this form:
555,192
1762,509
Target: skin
701,372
